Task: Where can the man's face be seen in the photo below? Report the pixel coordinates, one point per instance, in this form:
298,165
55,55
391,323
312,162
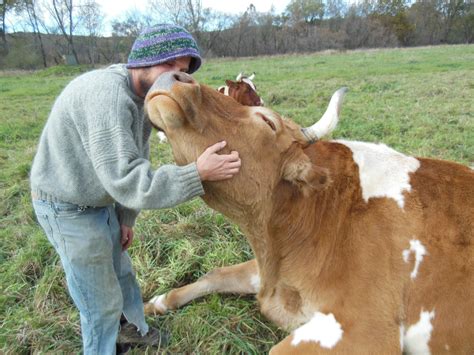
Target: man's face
149,75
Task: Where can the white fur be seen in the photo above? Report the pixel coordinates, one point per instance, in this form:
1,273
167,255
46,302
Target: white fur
402,334
255,282
419,250
162,137
383,171
322,329
159,304
417,337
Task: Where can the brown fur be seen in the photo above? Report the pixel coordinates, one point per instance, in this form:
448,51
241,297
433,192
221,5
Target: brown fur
243,93
319,246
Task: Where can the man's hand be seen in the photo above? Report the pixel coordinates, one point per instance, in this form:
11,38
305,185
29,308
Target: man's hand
214,167
126,236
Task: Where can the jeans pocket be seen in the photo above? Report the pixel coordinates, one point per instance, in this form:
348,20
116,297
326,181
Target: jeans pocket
43,220
65,209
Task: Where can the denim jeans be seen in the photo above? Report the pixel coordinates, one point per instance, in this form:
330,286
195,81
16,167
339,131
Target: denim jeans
99,275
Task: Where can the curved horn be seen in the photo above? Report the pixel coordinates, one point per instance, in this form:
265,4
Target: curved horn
328,122
239,77
251,77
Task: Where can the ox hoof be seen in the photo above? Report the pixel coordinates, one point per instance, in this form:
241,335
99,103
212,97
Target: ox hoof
156,306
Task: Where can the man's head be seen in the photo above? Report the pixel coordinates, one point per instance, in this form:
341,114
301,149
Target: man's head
160,49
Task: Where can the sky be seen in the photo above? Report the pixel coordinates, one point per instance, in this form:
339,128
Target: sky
114,8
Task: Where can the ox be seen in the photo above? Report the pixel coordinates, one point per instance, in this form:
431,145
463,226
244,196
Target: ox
243,90
358,248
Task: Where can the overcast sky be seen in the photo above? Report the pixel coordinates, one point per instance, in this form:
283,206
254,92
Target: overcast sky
113,8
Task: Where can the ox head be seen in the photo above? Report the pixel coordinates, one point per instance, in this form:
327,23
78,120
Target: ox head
195,116
244,90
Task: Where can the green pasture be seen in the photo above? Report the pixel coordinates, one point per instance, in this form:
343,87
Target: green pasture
419,101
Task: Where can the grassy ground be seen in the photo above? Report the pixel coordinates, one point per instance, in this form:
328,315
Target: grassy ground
419,101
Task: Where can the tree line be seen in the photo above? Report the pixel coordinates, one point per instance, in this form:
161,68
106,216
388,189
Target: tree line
40,33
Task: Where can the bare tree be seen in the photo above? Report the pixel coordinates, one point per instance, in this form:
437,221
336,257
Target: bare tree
187,13
5,7
62,12
308,11
170,11
91,20
34,17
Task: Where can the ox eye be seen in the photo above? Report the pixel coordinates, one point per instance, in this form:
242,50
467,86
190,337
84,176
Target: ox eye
267,121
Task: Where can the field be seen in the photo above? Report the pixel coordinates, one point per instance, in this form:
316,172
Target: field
419,101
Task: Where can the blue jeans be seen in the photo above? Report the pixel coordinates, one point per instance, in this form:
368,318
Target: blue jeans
99,275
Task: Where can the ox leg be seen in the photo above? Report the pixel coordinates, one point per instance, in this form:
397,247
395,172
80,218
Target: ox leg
242,278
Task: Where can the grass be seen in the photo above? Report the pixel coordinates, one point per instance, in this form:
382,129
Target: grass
419,101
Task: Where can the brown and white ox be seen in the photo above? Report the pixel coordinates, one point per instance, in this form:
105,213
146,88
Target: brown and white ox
358,248
243,90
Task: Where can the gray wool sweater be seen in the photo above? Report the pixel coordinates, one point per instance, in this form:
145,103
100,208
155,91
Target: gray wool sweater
94,151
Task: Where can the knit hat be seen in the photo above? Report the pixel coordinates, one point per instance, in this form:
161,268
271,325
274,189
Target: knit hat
162,43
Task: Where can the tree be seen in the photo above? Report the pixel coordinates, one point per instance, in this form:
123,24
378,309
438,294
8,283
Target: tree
392,14
34,16
467,22
426,19
91,19
5,7
450,10
308,11
189,14
62,12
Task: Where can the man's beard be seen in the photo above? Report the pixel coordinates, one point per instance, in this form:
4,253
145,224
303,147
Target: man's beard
145,84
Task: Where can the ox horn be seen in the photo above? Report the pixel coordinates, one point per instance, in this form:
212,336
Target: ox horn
239,77
328,122
251,77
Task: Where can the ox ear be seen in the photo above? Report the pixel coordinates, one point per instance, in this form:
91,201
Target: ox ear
302,172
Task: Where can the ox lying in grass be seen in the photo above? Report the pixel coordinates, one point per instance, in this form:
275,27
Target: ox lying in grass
243,90
358,248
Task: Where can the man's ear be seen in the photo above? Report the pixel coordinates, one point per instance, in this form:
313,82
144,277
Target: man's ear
300,171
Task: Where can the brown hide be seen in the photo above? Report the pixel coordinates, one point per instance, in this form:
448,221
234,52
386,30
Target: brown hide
319,245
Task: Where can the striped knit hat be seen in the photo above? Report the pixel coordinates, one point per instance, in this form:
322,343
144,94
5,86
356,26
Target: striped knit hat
162,43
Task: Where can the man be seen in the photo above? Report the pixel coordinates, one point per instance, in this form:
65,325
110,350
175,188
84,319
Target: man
91,175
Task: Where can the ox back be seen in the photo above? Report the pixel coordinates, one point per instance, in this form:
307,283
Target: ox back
391,243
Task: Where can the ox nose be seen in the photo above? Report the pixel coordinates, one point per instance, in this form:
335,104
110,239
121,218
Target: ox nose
166,80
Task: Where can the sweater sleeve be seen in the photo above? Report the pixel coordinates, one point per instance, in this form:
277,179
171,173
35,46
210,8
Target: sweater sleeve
128,177
126,215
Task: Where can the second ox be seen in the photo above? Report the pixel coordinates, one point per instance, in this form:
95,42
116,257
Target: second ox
358,248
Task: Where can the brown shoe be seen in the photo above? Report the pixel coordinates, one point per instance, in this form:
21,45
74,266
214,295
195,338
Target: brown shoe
130,335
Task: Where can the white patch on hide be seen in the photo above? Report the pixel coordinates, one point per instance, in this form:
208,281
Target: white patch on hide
162,137
159,304
417,337
322,329
255,282
419,250
402,334
383,171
